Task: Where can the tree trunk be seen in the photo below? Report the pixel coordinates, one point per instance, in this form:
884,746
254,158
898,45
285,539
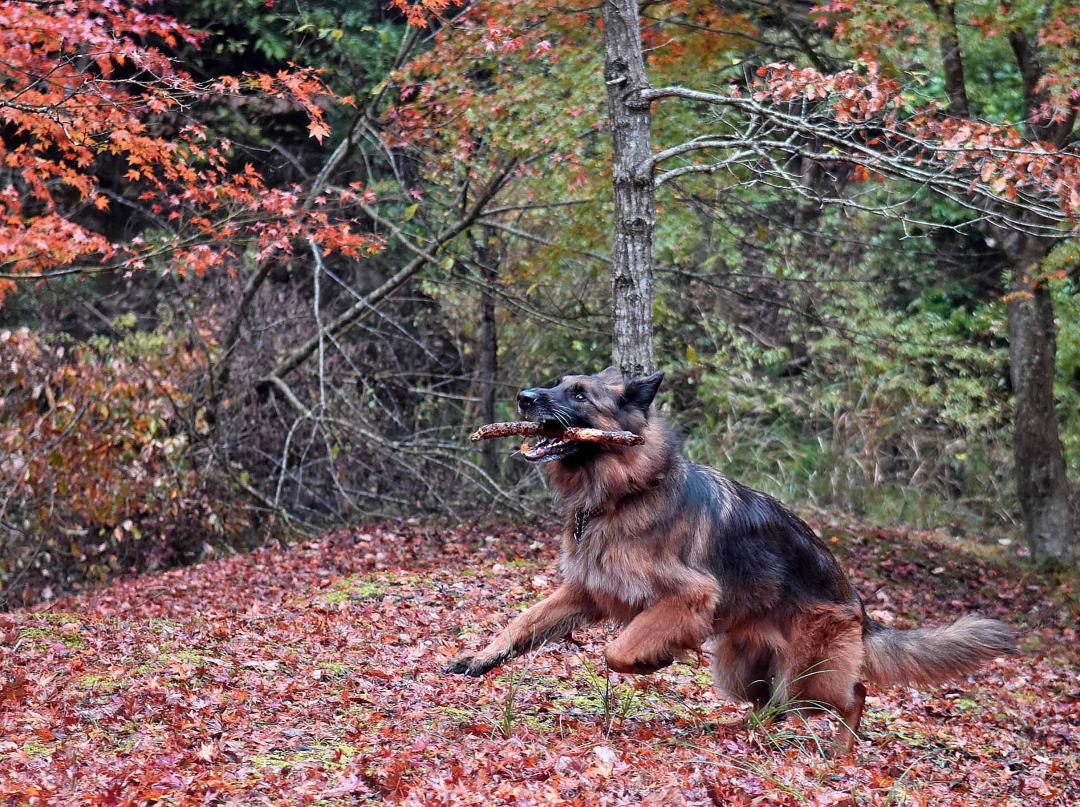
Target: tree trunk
1041,481
488,258
635,203
952,60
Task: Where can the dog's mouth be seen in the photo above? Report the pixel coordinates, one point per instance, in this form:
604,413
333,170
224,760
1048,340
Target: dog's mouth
550,446
548,449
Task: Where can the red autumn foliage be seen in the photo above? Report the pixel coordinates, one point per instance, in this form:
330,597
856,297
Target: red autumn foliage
995,154
420,12
293,675
96,111
871,27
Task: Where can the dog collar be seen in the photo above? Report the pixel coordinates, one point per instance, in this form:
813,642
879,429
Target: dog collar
581,522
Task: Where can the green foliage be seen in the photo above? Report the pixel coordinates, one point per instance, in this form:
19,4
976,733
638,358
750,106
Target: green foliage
995,87
354,42
899,411
828,356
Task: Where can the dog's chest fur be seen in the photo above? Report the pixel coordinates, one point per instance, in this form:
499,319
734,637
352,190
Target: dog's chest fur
624,572
608,568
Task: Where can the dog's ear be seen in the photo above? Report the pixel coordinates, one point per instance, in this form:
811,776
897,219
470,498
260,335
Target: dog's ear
612,376
639,392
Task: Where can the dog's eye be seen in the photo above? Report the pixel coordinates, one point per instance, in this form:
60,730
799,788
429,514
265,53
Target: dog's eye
580,396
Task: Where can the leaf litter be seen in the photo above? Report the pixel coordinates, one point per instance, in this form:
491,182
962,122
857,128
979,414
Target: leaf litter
313,674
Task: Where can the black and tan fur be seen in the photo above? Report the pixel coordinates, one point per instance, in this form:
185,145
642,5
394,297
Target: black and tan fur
678,554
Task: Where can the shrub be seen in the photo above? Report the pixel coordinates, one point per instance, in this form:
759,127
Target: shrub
96,464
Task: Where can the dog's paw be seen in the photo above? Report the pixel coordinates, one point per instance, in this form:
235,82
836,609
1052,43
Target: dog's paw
467,664
636,666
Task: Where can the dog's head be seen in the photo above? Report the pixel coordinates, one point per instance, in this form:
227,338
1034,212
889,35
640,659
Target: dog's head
606,401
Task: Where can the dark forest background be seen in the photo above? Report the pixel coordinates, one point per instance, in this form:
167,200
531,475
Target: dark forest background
850,356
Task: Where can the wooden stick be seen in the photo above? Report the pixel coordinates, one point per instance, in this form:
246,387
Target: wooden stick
527,428
574,434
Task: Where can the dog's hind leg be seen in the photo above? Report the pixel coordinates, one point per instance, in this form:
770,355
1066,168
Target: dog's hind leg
742,670
822,670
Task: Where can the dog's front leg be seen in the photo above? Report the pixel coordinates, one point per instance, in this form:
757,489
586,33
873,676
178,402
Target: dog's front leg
660,633
551,619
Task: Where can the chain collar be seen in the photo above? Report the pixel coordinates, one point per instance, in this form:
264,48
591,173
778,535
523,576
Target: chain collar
581,523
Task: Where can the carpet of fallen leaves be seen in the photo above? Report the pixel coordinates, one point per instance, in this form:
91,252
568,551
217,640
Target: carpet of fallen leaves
313,674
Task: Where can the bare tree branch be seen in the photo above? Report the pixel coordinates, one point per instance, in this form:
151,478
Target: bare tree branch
876,146
363,307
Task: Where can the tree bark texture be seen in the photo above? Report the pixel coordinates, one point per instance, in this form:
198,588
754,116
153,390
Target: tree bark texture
1041,481
952,60
635,201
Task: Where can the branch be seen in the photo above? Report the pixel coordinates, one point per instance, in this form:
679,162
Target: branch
537,239
645,168
1031,73
219,377
366,305
536,206
883,149
710,168
399,233
817,59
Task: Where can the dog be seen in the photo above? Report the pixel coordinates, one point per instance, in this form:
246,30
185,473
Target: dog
678,553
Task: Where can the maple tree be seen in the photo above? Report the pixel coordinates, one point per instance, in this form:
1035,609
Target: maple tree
1026,163
1020,181
352,281
465,104
97,113
462,150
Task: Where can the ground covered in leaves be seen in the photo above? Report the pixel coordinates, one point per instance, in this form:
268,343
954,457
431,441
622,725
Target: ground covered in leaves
313,674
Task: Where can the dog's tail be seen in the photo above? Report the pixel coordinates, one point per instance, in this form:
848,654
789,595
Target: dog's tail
932,655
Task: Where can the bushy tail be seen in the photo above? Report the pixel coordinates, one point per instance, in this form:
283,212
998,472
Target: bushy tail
932,655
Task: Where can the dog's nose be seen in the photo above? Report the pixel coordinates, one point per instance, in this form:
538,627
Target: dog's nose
526,398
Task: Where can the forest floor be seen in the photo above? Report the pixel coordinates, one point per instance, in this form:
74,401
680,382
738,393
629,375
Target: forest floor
312,674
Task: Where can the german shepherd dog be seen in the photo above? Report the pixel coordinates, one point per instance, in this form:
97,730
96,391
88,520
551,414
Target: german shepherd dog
678,554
